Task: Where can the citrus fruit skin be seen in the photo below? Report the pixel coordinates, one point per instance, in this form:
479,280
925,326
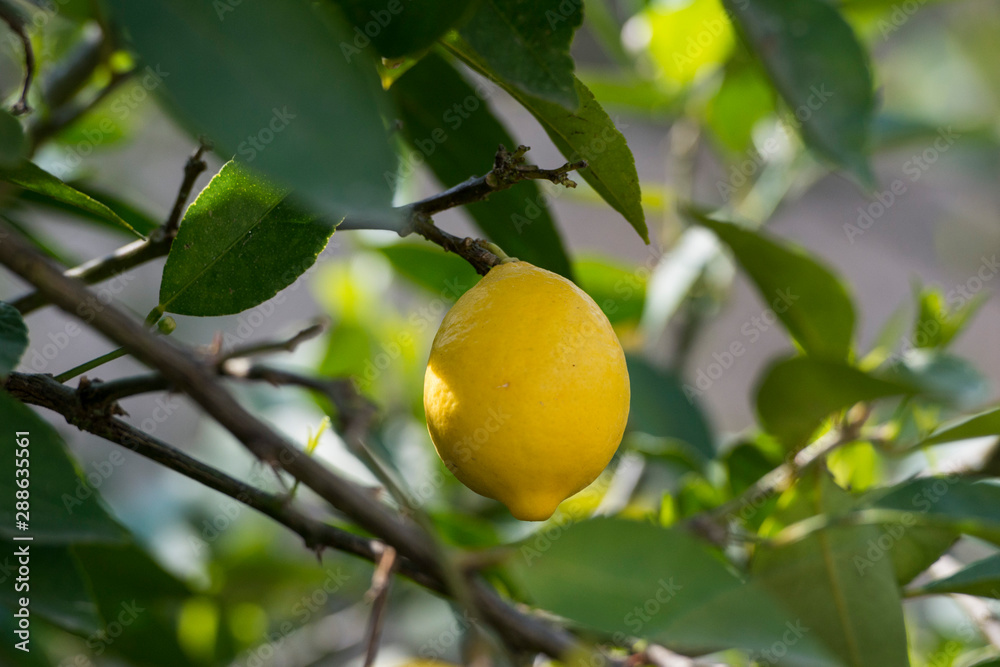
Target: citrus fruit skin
526,390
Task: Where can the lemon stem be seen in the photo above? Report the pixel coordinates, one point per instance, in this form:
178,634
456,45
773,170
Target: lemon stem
498,251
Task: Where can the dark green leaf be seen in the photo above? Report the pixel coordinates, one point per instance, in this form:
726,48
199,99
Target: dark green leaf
302,114
942,378
450,125
983,425
58,590
952,503
797,394
139,220
587,133
64,508
915,549
660,407
982,578
13,338
806,296
851,603
12,143
241,242
526,42
632,579
398,27
140,602
443,274
618,289
820,69
30,177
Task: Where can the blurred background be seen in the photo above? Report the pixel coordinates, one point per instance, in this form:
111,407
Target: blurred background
704,127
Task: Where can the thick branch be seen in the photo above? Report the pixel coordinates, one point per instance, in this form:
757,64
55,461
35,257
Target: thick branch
77,407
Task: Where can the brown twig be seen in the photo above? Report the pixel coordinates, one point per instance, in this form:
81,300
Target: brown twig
193,168
378,594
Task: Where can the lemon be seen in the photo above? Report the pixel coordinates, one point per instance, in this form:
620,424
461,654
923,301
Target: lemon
526,390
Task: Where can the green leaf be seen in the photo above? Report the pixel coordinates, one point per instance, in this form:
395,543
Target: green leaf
915,549
629,579
138,220
850,603
526,42
133,590
441,273
952,503
64,508
936,325
398,27
618,289
798,393
241,242
298,111
660,407
982,578
29,176
587,133
12,143
984,425
821,71
806,296
58,591
13,338
942,378
460,143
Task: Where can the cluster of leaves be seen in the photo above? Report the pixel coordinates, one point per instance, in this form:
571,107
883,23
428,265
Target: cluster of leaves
811,571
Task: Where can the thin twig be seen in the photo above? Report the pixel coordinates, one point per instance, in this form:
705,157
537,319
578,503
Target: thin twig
16,23
193,168
268,347
379,596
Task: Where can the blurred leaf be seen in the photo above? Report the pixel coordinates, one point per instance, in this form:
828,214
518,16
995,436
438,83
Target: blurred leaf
687,40
983,425
398,27
64,508
951,503
587,133
915,549
746,463
635,578
936,325
443,274
856,466
619,290
527,43
466,531
13,338
140,602
138,220
9,655
743,100
241,242
806,296
981,578
305,115
660,407
58,591
942,378
820,69
30,177
12,143
796,394
450,125
854,609
630,93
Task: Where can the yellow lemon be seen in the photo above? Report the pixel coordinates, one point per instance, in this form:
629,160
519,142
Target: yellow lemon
526,390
